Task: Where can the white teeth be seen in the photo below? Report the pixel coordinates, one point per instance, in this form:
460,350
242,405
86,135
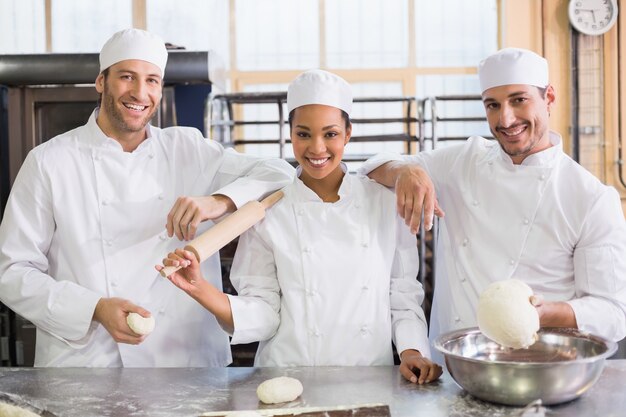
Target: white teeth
135,107
515,132
318,161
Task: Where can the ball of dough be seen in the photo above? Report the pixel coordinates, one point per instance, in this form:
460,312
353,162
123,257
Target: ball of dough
279,390
506,316
139,324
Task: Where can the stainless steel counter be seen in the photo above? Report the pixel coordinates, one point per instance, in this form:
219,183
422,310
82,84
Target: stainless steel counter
191,392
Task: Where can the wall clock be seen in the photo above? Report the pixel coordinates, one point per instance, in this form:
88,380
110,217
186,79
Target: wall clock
592,17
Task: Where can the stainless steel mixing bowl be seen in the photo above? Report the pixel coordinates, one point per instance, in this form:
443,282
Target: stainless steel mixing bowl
560,366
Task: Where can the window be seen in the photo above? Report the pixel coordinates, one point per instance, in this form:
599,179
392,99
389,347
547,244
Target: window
200,25
84,26
366,34
277,34
455,32
22,27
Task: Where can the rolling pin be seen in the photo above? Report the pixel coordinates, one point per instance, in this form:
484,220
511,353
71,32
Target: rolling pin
367,410
223,232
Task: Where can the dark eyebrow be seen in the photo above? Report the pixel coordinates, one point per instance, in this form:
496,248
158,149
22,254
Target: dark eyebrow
324,128
122,70
512,95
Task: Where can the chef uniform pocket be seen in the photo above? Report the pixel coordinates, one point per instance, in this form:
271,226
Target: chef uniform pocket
594,270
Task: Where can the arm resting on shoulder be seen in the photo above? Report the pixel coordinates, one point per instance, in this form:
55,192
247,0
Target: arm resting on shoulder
415,192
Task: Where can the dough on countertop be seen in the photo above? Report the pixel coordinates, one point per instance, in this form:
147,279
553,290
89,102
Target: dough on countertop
279,390
139,324
506,316
10,410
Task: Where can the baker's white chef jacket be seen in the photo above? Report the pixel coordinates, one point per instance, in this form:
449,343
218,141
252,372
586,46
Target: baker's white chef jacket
86,220
547,222
329,283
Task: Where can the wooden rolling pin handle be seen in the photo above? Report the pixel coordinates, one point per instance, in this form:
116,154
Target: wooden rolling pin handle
272,199
198,246
169,270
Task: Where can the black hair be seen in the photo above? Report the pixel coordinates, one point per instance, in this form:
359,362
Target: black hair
344,116
105,73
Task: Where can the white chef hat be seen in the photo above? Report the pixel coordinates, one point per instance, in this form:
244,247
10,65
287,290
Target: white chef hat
513,66
133,44
319,87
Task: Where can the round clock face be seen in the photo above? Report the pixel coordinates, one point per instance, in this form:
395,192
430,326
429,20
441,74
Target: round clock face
592,17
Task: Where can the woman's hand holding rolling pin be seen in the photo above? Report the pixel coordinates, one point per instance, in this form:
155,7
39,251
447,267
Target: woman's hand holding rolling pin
189,277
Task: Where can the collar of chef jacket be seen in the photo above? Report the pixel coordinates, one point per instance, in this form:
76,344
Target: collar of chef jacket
99,139
545,158
306,194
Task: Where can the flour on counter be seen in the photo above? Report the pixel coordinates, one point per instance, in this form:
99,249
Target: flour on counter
10,410
244,414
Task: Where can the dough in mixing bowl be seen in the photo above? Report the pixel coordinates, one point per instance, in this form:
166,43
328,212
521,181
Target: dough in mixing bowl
279,390
506,316
139,324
